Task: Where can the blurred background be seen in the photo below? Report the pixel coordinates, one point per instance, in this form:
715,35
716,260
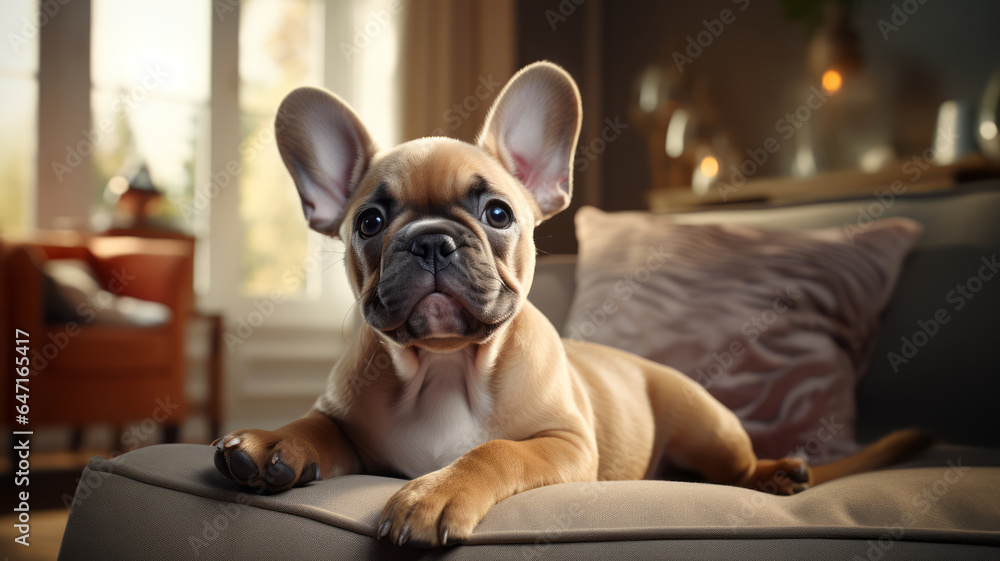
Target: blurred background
138,148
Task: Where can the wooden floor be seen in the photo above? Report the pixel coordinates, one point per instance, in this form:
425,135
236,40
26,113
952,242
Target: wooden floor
47,527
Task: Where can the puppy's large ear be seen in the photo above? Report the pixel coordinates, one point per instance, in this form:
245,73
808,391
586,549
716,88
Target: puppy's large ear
533,128
326,149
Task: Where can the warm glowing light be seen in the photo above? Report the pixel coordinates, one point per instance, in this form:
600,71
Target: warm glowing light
988,130
709,166
832,81
118,185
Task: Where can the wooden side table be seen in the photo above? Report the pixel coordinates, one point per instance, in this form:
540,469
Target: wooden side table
213,402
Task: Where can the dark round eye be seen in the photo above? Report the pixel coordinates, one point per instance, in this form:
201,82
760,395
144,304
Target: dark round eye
497,215
370,223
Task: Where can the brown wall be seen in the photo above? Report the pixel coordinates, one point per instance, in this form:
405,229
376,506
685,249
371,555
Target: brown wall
756,71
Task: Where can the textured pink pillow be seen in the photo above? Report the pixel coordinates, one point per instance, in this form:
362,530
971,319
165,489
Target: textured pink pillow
778,326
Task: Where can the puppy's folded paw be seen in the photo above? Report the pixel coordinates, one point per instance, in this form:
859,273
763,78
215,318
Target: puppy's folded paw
790,476
265,460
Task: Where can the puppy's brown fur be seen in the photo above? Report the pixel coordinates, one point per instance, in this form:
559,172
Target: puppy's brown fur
456,380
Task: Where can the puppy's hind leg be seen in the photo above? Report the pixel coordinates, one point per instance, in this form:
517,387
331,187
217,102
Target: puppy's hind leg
730,460
697,433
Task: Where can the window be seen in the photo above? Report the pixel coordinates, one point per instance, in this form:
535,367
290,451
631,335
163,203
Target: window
152,95
150,74
18,82
349,47
281,46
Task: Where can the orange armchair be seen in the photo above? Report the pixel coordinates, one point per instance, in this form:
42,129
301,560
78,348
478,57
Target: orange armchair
86,372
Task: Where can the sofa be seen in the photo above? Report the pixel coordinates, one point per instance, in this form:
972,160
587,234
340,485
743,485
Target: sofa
169,502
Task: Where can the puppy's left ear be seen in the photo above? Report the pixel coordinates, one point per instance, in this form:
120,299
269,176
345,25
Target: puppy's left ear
533,128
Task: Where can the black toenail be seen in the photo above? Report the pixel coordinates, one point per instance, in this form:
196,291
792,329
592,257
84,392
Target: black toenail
311,473
241,466
800,474
278,474
220,463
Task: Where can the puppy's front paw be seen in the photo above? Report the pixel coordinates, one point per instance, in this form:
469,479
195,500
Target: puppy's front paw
266,460
433,510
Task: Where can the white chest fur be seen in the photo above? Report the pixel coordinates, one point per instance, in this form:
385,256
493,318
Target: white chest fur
441,414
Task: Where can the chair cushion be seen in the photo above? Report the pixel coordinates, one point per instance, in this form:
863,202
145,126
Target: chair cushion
78,297
169,502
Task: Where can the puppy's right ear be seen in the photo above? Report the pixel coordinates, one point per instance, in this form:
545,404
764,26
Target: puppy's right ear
326,149
532,129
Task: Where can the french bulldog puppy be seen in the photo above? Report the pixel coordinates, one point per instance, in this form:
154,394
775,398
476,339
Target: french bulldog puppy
455,380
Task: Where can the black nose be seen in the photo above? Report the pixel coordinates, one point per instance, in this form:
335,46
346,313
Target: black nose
433,251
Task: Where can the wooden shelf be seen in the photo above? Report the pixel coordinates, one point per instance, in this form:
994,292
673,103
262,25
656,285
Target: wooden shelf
906,176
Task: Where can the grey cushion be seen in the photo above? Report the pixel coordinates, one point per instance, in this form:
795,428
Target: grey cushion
169,502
